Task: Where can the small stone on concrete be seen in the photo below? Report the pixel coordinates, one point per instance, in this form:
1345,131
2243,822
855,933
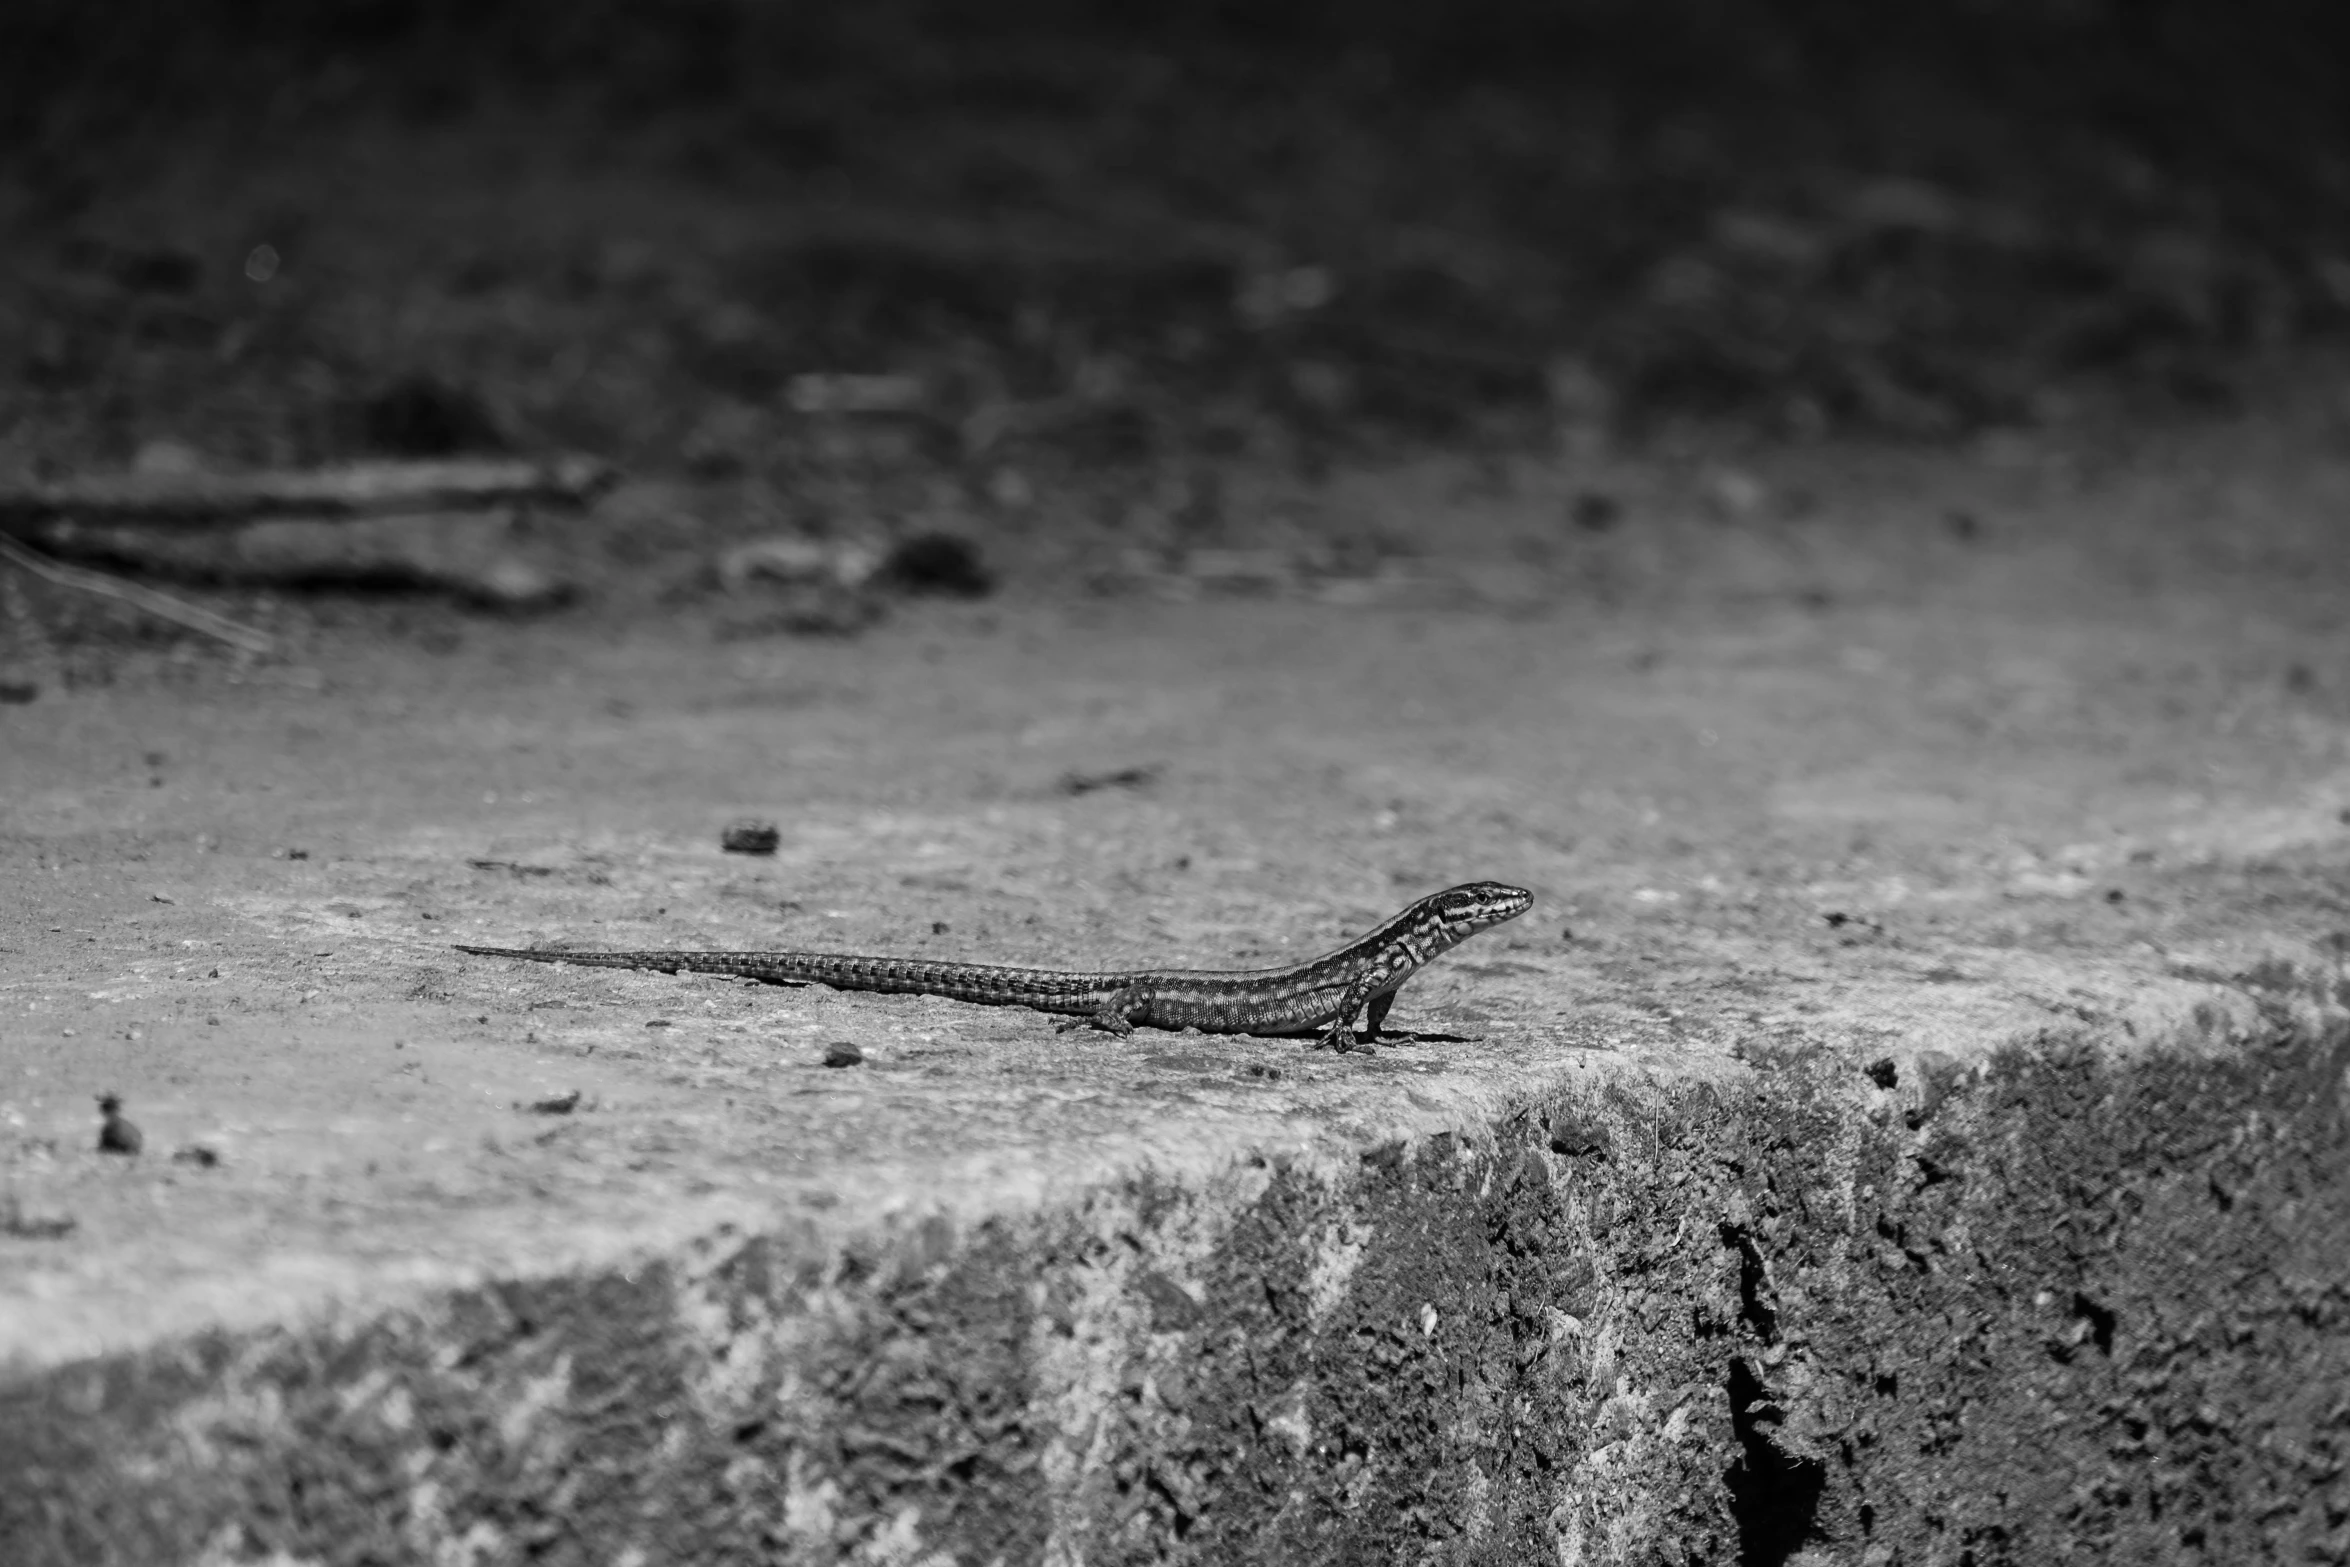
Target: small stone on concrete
750,836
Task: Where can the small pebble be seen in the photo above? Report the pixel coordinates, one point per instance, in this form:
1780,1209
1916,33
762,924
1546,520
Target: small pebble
939,563
115,1134
750,837
842,1053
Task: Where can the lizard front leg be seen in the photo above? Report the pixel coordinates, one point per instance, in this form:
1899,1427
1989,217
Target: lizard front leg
1338,1036
1372,1007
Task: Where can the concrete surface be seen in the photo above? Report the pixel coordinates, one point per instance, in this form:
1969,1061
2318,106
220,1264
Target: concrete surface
1911,1126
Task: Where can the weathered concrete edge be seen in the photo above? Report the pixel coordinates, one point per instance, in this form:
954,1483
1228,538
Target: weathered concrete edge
2077,1287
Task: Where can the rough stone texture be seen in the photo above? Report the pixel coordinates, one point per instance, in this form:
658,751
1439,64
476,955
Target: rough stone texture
2054,1303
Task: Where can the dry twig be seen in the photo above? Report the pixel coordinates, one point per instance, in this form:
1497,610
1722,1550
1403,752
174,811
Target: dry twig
161,605
352,490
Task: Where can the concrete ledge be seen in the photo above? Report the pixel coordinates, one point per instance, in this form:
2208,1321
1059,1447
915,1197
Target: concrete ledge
2076,1295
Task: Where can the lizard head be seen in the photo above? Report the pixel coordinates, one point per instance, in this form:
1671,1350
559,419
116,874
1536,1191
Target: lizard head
1478,905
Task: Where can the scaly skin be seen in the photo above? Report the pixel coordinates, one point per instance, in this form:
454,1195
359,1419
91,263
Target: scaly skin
1324,995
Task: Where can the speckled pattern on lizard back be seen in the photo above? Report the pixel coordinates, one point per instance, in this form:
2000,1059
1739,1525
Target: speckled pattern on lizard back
1323,995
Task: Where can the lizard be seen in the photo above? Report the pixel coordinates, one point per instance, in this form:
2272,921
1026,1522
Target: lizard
1322,995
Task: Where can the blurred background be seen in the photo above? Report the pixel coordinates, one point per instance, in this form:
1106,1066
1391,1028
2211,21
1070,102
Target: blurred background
1045,264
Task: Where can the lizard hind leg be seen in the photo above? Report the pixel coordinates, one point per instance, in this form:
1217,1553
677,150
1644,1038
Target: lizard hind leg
1114,1016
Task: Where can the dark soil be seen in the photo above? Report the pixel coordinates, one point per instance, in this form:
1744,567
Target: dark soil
1299,228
